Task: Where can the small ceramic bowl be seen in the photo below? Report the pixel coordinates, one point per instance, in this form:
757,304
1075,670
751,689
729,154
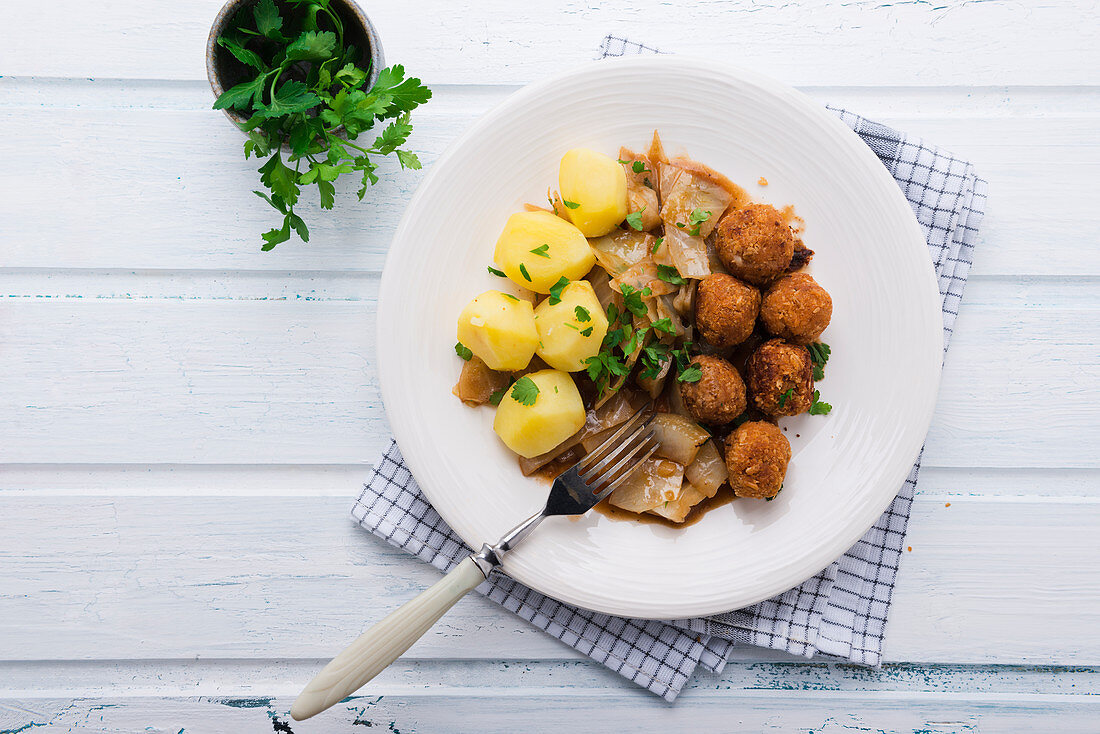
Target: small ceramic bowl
224,71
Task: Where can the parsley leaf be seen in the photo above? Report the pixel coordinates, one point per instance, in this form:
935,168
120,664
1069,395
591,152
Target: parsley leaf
268,20
638,166
494,271
817,407
656,245
696,219
785,397
312,46
556,289
635,219
541,251
664,325
570,204
698,216
525,391
496,396
670,274
693,373
242,95
586,332
463,351
280,179
819,355
244,55
632,299
635,341
524,273
582,314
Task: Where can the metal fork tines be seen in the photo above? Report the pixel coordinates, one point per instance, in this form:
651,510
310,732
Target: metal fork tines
587,483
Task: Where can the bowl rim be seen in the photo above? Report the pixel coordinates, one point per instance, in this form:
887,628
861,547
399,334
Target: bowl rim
388,318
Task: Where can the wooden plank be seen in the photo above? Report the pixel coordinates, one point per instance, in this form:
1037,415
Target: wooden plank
196,209
478,711
345,480
256,678
863,42
181,577
183,380
250,694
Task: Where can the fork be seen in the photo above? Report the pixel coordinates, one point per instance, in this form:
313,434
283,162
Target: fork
576,491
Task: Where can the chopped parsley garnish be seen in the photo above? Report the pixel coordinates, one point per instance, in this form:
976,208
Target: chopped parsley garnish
819,355
656,245
524,273
670,274
495,397
632,299
696,219
524,391
463,351
541,251
556,289
698,216
664,325
574,327
494,271
817,407
635,219
622,162
582,314
653,358
570,204
586,332
509,295
693,373
638,166
785,397
635,341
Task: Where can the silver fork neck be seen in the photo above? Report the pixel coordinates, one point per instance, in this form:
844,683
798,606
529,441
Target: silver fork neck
489,556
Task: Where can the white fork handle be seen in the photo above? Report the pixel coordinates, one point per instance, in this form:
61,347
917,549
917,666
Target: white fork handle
384,642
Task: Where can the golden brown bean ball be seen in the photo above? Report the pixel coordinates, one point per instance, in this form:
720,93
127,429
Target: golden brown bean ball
757,455
754,243
796,308
725,309
780,378
718,396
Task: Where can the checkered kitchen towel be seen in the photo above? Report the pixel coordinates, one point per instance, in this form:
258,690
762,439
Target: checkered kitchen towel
842,611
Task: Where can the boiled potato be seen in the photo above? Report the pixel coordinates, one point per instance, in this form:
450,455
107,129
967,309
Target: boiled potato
500,329
597,183
544,246
556,414
571,330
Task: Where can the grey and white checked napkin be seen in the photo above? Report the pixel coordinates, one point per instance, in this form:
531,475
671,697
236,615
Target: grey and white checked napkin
841,612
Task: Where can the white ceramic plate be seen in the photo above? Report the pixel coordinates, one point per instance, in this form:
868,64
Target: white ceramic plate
885,334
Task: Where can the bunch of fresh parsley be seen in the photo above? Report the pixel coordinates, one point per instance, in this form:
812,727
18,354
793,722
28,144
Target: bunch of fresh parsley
307,93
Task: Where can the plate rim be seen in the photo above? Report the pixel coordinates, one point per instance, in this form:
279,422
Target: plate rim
857,148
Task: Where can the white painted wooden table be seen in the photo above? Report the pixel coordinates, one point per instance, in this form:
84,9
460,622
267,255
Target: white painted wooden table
184,419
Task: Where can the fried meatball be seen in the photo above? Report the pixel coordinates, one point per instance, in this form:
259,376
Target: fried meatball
725,309
780,378
757,454
718,396
754,243
796,308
